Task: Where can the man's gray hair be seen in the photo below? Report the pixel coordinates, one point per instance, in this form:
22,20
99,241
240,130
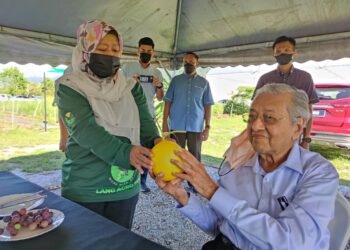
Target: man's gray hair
299,107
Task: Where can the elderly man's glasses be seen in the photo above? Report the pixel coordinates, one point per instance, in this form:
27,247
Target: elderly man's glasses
267,119
224,167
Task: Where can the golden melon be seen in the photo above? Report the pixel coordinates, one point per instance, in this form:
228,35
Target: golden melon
163,152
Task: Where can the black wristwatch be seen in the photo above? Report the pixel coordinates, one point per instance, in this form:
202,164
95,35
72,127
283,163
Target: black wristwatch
307,139
161,86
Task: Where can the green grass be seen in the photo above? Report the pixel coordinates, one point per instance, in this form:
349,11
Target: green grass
221,132
23,137
14,145
16,150
33,110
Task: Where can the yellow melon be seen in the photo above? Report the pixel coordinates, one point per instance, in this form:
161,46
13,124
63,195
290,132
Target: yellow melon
163,152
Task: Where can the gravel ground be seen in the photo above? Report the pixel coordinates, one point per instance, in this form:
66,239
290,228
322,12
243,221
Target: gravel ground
156,217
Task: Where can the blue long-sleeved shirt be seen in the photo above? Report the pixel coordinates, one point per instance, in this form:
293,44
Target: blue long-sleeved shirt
288,208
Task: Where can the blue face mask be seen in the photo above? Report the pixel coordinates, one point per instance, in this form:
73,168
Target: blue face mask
104,65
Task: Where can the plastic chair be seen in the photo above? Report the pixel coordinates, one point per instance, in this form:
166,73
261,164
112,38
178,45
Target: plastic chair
339,226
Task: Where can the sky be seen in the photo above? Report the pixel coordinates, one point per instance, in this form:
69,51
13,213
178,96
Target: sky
224,81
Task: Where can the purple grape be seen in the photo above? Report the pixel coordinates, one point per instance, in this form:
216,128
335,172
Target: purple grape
15,212
9,226
45,214
22,211
13,232
38,219
25,223
50,220
7,219
15,218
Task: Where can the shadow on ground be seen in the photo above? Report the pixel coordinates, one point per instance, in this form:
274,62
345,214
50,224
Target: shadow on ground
35,162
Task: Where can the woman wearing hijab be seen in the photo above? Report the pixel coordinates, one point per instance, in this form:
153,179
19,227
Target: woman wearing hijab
107,117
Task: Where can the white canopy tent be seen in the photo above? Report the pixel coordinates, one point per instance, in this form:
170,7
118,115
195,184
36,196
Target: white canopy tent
222,32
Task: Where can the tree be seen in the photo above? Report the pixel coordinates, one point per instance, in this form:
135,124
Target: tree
50,87
14,81
239,104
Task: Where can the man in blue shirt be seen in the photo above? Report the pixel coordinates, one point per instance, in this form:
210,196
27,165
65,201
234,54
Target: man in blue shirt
282,198
188,107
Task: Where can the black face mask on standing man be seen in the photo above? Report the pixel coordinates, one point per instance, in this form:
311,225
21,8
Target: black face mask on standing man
104,65
145,57
189,68
284,59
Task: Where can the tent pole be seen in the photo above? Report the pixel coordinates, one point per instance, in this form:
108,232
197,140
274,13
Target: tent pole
178,16
45,115
165,69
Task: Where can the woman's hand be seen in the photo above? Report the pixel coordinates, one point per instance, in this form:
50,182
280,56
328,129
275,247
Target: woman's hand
195,173
157,140
174,188
140,157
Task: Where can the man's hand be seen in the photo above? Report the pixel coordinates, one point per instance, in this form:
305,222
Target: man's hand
174,188
165,127
140,157
195,173
156,82
205,134
137,77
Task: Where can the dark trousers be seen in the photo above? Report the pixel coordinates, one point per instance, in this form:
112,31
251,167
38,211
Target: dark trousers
221,242
120,212
144,176
193,142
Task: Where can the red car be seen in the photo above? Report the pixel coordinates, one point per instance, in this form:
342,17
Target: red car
331,115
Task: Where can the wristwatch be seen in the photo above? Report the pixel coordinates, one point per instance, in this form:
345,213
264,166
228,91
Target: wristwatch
307,139
161,86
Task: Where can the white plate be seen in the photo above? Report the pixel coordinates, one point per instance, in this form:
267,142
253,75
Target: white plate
25,233
28,205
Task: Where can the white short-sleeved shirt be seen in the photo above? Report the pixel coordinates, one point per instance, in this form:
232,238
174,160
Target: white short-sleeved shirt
133,68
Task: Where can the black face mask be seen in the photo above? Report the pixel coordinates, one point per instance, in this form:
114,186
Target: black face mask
284,59
145,57
104,65
189,68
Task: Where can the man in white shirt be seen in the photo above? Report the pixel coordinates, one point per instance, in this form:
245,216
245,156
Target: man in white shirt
150,79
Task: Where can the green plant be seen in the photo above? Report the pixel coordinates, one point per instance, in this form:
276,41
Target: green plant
239,104
217,109
15,83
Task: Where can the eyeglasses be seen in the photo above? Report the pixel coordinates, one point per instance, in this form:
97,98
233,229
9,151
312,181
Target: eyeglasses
224,168
267,119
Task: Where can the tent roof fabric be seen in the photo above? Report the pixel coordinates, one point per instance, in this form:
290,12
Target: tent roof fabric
222,32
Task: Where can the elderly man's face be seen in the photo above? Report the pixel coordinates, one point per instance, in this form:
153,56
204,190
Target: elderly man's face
269,127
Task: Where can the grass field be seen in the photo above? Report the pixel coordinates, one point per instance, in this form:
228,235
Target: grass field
33,150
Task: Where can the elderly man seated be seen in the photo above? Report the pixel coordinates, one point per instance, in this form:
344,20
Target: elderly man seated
281,198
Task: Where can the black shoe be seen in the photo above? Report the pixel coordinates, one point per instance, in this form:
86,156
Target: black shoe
145,189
